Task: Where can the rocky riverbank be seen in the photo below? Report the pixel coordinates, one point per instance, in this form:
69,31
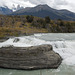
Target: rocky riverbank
29,58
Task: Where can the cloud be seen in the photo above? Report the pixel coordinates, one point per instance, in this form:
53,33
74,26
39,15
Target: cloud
57,4
14,3
68,4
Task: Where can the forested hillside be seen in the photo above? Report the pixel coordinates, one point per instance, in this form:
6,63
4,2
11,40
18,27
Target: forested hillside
24,25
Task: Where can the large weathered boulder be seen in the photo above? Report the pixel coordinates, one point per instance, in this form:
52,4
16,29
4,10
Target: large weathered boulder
29,58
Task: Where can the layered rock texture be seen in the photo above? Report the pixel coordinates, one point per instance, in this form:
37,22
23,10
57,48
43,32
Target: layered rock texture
29,58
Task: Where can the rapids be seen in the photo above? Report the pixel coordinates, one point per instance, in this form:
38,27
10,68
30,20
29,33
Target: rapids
63,44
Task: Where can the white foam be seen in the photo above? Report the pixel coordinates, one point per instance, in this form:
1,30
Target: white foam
70,60
23,42
66,49
40,34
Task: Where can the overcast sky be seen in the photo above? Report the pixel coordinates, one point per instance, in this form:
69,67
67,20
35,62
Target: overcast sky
57,4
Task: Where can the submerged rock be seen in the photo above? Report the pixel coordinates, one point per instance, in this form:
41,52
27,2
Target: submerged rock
3,39
29,58
16,40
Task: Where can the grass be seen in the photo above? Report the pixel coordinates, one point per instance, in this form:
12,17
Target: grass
20,30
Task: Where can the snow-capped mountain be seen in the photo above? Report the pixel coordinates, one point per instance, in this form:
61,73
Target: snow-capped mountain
15,4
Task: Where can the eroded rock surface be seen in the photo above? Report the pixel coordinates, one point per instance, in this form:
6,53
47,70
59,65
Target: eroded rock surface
29,58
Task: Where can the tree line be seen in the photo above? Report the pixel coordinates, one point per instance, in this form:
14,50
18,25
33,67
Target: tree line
55,26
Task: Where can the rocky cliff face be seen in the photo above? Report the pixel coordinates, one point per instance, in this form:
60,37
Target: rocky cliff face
29,58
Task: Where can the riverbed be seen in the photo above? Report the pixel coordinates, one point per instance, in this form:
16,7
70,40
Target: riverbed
63,44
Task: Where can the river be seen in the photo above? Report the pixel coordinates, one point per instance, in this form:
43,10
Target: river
63,43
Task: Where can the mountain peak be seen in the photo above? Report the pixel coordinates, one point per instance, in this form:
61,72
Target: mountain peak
45,10
43,6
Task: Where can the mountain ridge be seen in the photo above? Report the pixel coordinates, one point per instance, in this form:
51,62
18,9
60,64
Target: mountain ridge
45,10
5,10
40,11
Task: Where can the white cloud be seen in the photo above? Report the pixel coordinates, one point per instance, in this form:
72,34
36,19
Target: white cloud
58,4
14,3
64,4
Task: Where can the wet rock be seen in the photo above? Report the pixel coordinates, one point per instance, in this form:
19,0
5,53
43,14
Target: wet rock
3,39
16,40
29,58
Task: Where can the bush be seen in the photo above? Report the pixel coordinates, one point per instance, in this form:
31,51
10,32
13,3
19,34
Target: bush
47,19
29,18
40,23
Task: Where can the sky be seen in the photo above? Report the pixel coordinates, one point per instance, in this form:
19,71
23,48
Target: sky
57,4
